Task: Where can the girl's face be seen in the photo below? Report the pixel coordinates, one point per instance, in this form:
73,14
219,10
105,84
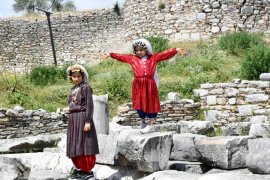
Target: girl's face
76,78
140,52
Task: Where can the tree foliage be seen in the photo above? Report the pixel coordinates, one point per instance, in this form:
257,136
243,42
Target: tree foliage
29,6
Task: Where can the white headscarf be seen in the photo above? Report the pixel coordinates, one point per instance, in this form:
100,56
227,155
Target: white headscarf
145,43
83,70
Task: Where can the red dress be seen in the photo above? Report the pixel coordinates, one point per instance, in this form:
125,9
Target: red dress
144,89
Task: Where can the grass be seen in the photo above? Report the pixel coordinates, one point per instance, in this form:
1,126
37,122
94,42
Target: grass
238,43
217,132
206,63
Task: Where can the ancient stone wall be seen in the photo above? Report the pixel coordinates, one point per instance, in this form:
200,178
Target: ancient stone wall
172,111
83,37
238,101
222,104
194,19
80,37
17,122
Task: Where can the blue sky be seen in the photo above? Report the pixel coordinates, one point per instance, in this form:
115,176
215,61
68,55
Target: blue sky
7,11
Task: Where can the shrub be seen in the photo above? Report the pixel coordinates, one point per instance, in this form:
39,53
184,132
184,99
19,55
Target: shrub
193,82
161,5
18,91
18,97
256,61
217,132
116,8
117,86
45,75
158,43
237,43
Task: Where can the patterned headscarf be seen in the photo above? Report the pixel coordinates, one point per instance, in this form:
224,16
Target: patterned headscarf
78,68
143,43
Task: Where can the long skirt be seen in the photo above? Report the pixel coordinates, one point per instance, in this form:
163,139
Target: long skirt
145,95
80,143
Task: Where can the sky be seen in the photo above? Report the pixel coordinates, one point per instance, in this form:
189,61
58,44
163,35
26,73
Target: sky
7,11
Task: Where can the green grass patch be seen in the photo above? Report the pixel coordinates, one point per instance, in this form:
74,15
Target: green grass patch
217,132
206,63
239,42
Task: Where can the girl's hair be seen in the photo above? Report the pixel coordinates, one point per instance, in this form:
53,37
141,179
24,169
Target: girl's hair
143,43
80,69
75,71
139,44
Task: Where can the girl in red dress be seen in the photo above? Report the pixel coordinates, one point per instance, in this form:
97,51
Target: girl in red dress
145,97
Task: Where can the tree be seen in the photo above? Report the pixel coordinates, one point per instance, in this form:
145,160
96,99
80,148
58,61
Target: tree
69,6
29,6
56,5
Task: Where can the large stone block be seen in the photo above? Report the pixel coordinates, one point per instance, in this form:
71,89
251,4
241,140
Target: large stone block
148,152
108,144
100,116
258,159
224,152
183,148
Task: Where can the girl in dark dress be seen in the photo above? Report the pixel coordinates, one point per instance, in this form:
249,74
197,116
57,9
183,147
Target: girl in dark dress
82,145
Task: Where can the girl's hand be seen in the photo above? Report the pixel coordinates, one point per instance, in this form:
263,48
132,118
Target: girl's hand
182,51
87,127
105,56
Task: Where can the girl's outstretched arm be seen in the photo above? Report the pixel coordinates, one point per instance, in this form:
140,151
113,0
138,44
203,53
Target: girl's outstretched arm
120,57
165,55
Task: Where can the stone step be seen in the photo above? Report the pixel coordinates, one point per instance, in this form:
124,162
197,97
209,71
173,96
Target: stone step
171,175
43,161
47,175
29,144
176,175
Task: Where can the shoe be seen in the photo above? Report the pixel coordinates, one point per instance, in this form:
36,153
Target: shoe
75,173
143,125
148,129
85,175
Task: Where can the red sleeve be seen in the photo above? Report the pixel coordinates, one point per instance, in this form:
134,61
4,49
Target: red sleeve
165,55
121,57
